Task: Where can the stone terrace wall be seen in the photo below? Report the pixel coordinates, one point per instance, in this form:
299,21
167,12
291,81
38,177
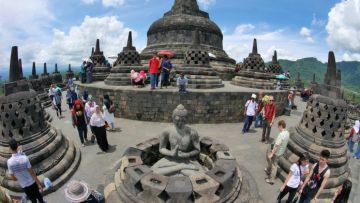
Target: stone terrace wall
157,106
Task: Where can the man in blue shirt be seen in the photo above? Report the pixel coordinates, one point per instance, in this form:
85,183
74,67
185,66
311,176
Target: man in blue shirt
165,72
21,171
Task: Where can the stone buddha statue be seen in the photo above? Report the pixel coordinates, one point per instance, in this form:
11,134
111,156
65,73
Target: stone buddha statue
181,147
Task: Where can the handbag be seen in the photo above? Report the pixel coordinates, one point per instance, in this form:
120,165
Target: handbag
106,125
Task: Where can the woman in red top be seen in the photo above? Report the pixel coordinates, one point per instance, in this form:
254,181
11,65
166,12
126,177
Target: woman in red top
355,138
79,120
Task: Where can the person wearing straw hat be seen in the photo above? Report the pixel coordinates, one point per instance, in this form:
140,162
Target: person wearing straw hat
79,192
269,112
249,113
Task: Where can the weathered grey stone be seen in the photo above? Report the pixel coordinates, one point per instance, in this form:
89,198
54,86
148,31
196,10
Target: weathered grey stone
101,67
127,60
322,127
197,67
174,32
23,118
253,73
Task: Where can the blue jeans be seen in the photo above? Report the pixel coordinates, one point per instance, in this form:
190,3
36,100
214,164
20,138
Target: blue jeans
164,79
153,80
258,120
182,88
82,132
247,123
357,152
351,145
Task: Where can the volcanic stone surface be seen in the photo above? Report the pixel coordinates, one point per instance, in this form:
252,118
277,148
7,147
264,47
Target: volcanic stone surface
127,60
101,70
253,73
174,32
322,127
197,67
22,117
132,179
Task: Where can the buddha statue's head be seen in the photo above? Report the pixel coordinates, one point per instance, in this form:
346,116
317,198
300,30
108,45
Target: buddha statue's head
179,116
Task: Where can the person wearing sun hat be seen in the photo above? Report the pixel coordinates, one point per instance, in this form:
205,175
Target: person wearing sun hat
79,192
249,113
269,112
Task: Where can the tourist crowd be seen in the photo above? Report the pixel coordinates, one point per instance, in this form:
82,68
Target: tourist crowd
303,183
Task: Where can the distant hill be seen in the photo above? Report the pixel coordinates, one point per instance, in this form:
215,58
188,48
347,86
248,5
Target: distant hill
350,71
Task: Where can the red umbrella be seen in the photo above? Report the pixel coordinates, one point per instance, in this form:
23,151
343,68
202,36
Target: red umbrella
168,53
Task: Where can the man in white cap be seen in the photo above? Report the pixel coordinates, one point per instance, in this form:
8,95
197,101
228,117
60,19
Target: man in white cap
249,113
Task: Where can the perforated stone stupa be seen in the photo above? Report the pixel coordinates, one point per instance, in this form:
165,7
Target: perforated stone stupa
69,73
174,32
57,77
101,70
253,73
22,118
274,67
197,67
322,127
127,60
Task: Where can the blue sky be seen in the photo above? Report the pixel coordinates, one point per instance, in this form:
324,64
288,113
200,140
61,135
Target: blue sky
64,31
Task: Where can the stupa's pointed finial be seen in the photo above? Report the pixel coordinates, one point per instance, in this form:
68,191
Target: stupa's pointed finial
275,55
314,77
129,41
56,68
331,64
45,69
92,51
69,69
255,50
33,72
184,6
97,48
21,69
14,73
196,38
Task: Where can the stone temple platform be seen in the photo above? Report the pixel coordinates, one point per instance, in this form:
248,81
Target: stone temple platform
221,105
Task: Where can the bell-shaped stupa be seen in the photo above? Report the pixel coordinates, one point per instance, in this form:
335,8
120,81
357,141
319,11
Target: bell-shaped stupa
197,67
127,60
322,127
253,73
174,32
22,117
101,67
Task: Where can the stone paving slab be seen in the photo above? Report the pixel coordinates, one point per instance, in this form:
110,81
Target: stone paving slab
247,149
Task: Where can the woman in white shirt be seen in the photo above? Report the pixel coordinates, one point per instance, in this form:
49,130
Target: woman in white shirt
294,178
97,123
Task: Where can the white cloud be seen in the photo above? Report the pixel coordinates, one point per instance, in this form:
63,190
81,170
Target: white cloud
351,57
206,3
75,45
112,3
23,25
306,33
344,28
106,3
88,1
287,44
317,22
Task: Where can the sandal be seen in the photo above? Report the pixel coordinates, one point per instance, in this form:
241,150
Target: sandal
267,180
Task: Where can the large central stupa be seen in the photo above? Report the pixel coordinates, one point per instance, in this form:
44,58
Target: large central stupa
174,32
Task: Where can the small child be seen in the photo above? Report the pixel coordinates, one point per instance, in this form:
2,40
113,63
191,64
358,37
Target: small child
182,83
